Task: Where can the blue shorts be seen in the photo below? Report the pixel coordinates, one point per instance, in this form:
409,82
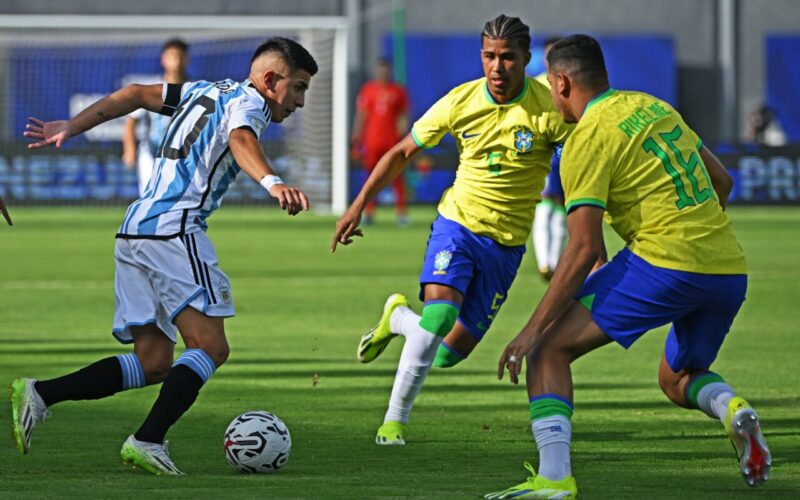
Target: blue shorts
477,266
552,184
632,296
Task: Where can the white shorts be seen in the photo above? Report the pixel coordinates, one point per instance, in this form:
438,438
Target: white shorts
156,279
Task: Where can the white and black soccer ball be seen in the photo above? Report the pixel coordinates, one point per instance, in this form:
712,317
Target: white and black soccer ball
257,442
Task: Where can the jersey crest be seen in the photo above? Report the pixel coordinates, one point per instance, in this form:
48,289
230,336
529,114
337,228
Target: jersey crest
523,139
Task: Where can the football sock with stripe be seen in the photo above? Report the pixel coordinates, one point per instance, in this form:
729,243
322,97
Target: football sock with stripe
541,232
447,357
558,235
710,394
96,381
178,392
552,431
423,335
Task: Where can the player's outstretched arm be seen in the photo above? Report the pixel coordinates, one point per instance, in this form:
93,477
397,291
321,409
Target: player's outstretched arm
388,168
112,106
721,180
584,247
250,157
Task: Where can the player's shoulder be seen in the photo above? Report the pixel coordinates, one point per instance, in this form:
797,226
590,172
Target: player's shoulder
542,78
468,90
621,101
241,93
538,95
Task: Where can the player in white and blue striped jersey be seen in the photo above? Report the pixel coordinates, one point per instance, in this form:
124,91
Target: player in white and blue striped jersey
167,279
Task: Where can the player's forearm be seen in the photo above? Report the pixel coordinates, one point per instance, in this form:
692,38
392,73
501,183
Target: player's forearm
387,169
248,154
573,268
120,103
721,180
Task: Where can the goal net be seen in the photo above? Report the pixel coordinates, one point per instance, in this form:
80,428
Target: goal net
51,67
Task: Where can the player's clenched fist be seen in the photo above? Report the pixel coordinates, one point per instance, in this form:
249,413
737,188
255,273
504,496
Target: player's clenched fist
290,199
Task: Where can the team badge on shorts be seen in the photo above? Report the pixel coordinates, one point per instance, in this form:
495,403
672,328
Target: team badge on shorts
441,261
523,139
225,294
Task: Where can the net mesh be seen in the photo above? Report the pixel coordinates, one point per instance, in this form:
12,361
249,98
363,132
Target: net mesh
53,75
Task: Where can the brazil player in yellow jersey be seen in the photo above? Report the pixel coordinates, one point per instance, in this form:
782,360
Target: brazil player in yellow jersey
505,126
633,158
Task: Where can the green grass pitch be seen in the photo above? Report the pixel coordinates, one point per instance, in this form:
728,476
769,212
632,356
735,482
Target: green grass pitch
301,311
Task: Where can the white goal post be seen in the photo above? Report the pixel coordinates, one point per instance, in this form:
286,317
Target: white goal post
315,141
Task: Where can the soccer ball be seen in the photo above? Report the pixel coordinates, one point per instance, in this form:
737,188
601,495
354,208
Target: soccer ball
257,442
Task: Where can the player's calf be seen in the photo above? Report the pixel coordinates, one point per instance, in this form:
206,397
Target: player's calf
178,393
447,357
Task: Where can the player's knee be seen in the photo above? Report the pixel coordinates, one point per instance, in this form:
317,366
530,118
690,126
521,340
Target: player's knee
155,370
219,353
439,318
447,357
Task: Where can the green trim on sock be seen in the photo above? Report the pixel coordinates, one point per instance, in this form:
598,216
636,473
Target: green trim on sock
559,208
587,301
547,202
549,407
445,358
438,318
696,384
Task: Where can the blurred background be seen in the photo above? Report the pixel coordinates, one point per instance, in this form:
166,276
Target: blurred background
731,67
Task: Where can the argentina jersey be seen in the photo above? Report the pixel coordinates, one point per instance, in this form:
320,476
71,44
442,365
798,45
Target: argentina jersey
157,128
193,165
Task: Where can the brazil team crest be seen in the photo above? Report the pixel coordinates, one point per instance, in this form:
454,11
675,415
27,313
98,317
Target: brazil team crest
441,262
523,139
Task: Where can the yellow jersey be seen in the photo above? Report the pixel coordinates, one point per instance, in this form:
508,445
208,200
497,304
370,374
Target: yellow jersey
504,156
633,155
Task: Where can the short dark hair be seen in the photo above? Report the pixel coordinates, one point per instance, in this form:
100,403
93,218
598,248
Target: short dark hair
295,55
175,43
581,57
550,41
503,27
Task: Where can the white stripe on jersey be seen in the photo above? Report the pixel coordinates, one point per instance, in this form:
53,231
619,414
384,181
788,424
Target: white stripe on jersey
193,166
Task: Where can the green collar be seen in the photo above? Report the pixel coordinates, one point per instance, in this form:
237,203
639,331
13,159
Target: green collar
512,101
608,93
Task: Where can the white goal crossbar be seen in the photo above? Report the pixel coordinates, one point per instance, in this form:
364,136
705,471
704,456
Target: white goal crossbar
337,25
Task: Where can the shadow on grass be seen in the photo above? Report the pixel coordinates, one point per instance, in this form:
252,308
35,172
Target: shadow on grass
36,340
63,351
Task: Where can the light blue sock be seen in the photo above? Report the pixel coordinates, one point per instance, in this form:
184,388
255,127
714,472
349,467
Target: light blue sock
199,362
132,371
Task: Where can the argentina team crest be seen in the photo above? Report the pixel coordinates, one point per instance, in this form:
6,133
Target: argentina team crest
441,262
523,139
